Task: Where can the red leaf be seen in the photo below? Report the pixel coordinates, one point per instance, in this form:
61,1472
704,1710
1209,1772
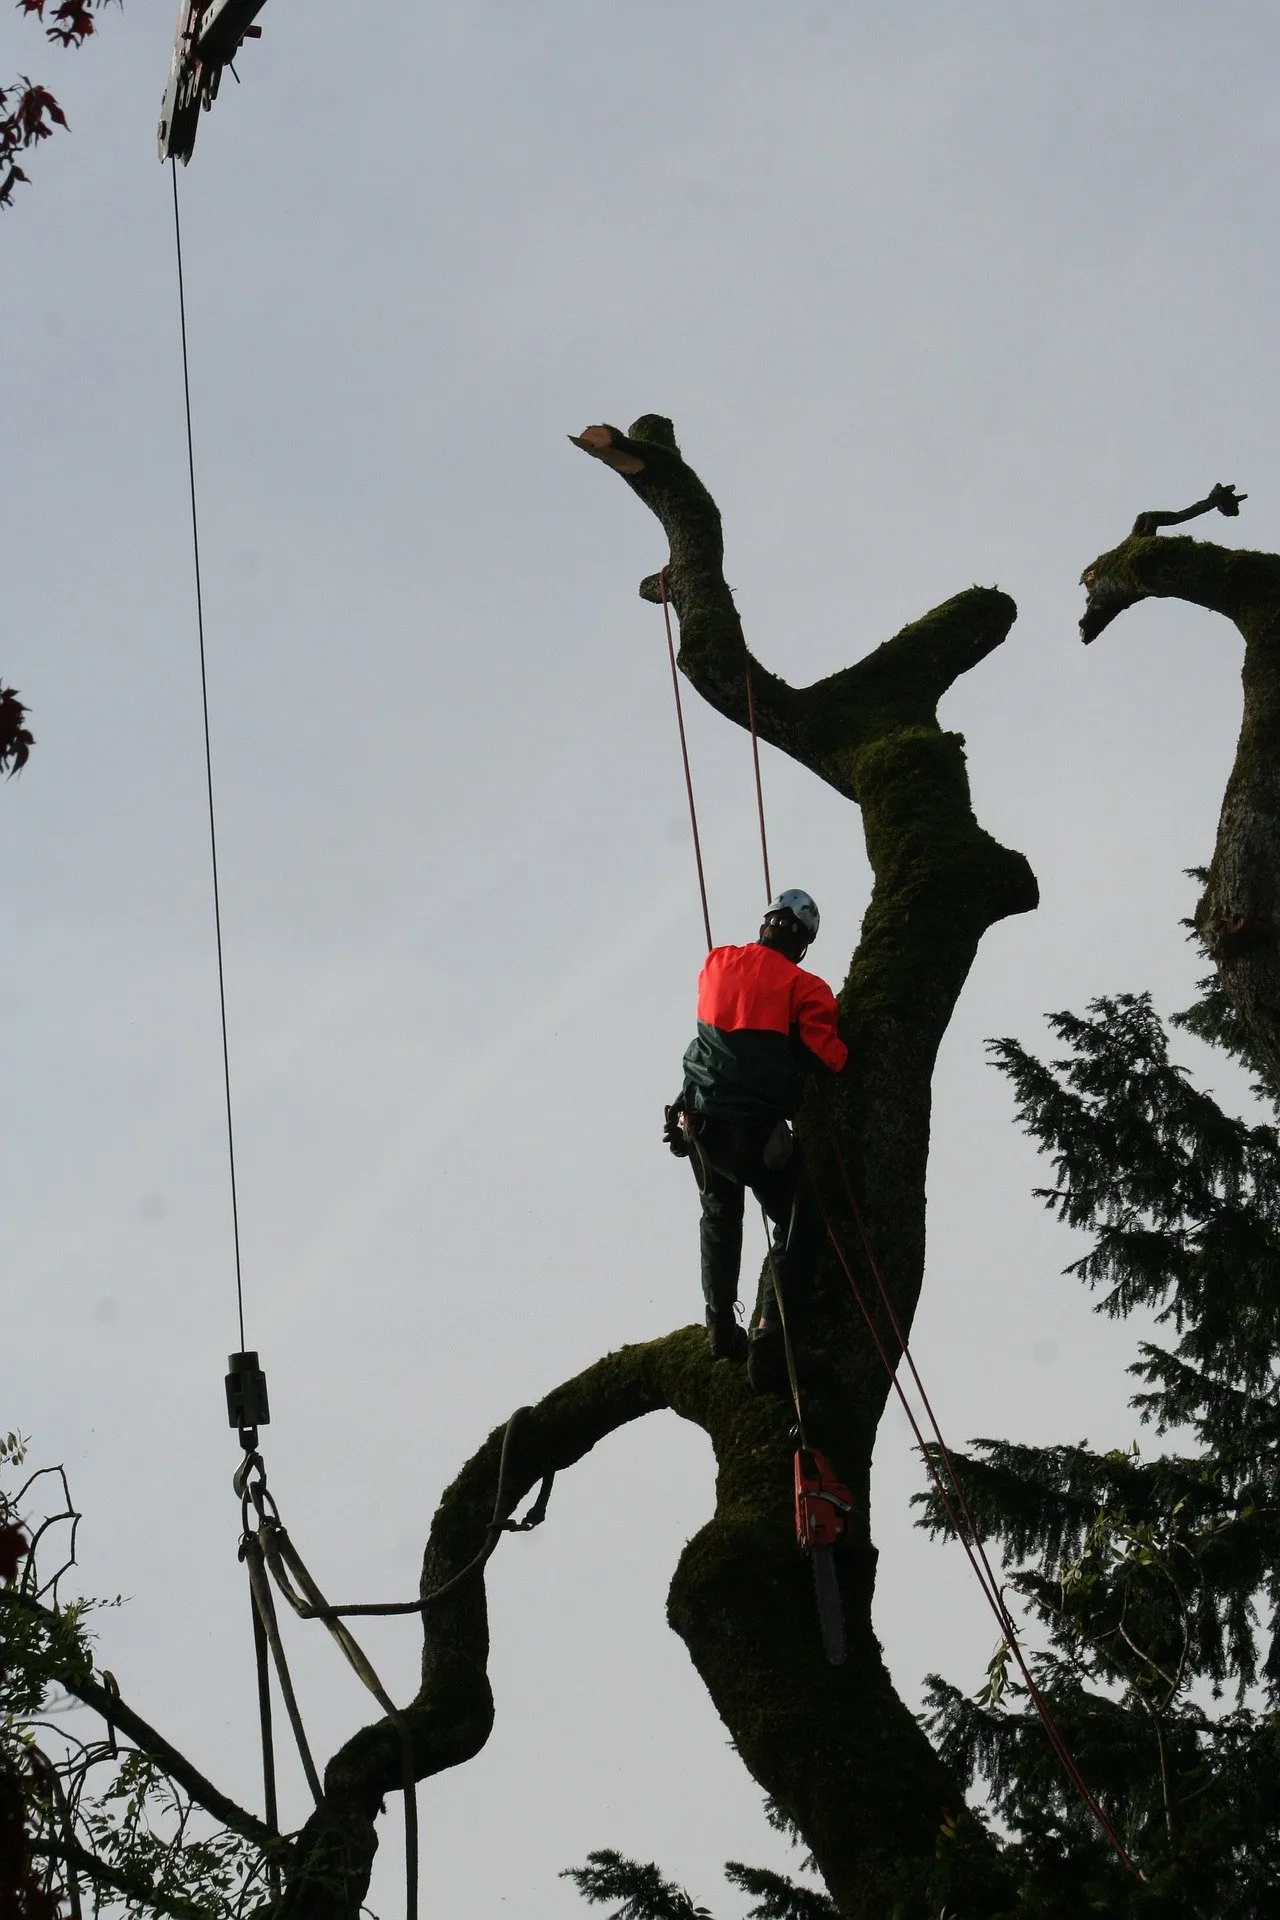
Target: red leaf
77,23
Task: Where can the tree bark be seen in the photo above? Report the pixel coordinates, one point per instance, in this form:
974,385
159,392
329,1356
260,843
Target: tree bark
836,1748
1238,916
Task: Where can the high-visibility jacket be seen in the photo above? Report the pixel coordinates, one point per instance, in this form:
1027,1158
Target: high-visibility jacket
763,1023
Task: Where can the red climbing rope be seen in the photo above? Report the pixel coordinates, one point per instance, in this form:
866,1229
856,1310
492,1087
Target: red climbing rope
954,1503
684,755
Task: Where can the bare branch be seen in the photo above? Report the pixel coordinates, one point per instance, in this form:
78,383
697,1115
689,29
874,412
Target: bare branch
118,1714
137,1888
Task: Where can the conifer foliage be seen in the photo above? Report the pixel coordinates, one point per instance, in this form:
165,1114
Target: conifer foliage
1154,1576
639,1891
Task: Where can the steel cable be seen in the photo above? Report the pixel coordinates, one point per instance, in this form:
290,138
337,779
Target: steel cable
208,754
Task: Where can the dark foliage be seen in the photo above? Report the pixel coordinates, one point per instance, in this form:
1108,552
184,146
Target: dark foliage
16,740
642,1893
1156,1580
86,1827
777,1897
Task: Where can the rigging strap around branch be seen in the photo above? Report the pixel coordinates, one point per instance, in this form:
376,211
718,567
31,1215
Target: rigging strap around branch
268,1545
251,1552
266,1548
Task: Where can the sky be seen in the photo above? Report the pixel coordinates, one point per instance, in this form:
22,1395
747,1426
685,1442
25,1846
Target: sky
934,296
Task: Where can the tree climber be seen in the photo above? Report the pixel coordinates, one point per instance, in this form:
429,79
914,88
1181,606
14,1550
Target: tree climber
763,1023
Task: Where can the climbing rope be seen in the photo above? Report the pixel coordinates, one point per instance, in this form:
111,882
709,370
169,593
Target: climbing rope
498,1525
793,1378
954,1503
755,763
271,1557
267,1546
684,755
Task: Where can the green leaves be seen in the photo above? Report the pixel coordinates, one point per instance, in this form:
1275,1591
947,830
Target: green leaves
139,1844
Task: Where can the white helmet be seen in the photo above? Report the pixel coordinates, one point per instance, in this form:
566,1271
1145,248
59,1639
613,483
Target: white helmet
800,905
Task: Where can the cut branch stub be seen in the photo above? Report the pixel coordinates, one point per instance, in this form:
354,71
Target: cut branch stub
1238,916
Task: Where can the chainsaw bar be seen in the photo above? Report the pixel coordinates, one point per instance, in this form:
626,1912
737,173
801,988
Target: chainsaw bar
823,1507
830,1610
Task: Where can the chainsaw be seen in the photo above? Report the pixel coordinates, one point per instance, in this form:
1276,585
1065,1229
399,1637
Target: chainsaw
823,1506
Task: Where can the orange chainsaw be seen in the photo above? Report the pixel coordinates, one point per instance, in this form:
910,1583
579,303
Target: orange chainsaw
823,1507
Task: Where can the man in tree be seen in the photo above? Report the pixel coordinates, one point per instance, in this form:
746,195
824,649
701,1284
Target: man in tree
763,1024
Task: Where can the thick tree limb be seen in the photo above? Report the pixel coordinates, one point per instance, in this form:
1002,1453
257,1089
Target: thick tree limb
819,1740
836,1748
1112,587
870,731
1238,916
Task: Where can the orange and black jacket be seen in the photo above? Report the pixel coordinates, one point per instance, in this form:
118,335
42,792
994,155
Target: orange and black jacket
763,1023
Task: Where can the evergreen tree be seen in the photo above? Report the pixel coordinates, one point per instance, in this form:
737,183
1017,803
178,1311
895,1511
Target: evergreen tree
641,1892
1154,1577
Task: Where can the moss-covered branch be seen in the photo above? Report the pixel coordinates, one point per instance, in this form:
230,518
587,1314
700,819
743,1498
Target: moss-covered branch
872,732
1238,916
450,1718
836,1748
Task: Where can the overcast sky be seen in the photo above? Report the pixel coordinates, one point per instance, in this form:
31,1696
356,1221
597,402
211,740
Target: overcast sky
935,295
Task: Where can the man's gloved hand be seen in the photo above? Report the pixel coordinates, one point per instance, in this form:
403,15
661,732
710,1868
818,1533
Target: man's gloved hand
672,1131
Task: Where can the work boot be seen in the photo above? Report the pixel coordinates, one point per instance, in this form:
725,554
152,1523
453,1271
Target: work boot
726,1340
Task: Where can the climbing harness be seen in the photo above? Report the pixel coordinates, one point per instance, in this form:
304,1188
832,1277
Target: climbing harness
819,1495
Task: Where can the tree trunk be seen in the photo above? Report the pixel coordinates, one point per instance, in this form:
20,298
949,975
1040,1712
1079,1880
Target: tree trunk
836,1747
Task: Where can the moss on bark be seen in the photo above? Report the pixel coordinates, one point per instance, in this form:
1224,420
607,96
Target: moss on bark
836,1748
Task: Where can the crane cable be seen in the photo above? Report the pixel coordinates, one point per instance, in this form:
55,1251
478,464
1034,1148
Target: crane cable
954,1504
208,756
253,1549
